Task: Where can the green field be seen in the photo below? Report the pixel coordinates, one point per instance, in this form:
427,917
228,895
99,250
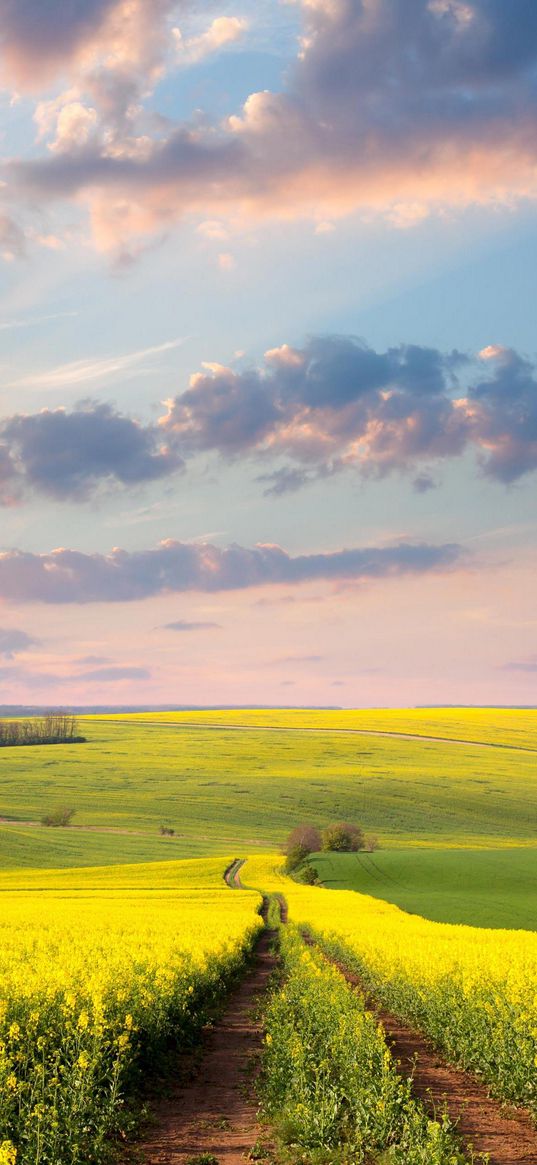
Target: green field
239,790
493,888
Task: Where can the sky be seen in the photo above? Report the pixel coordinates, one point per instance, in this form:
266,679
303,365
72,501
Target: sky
268,363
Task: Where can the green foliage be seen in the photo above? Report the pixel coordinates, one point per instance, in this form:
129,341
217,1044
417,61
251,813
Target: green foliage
61,816
202,1159
329,1081
342,837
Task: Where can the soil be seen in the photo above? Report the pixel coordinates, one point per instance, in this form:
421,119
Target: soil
216,1112
507,1135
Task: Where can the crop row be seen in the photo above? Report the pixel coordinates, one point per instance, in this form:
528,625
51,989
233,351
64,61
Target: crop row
329,1082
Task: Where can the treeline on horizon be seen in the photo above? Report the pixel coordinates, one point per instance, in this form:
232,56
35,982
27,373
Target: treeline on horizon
53,728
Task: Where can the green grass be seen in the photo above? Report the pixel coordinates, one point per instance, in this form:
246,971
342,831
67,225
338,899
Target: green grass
492,888
237,791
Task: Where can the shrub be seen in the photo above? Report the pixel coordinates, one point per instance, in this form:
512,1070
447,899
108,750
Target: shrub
61,816
342,837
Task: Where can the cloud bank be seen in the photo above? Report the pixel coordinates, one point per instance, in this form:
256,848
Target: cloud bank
337,403
68,576
333,405
390,106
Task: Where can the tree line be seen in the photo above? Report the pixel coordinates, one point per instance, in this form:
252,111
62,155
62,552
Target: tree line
53,728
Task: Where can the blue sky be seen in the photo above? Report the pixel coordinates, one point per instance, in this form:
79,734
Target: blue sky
249,263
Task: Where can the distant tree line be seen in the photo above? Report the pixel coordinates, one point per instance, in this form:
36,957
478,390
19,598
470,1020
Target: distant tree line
54,728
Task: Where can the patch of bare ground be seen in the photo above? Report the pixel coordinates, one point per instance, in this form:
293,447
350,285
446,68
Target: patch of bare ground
505,1136
214,1115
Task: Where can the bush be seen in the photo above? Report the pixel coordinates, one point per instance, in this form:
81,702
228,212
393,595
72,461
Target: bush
371,843
342,837
61,816
303,837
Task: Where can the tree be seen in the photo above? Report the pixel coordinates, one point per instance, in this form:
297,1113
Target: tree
342,837
302,841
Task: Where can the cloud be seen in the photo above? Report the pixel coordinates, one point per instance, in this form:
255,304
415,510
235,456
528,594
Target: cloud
69,576
40,41
523,665
86,371
336,404
285,659
181,625
331,406
13,641
112,675
101,675
68,455
389,107
223,30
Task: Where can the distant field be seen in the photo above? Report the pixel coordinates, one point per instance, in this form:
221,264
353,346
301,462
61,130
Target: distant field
227,791
492,888
512,727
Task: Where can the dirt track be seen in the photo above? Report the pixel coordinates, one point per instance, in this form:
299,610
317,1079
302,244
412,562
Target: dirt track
216,1112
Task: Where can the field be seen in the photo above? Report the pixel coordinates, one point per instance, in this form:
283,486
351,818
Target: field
476,887
224,789
102,973
473,991
114,953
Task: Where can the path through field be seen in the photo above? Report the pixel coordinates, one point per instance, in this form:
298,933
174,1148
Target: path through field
216,1113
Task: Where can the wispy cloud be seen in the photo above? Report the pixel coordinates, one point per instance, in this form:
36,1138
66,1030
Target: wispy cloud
34,321
87,371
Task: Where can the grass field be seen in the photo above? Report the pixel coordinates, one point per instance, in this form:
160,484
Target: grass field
493,888
226,790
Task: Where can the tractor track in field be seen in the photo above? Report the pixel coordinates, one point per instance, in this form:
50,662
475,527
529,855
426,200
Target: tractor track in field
504,1135
216,1112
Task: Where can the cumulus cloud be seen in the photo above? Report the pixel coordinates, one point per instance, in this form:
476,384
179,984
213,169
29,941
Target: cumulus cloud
69,576
331,406
389,106
336,404
40,41
223,30
68,455
13,641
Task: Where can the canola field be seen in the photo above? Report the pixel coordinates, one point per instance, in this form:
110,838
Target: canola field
473,991
102,973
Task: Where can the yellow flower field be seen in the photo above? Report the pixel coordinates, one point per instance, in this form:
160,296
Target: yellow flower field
99,983
473,990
